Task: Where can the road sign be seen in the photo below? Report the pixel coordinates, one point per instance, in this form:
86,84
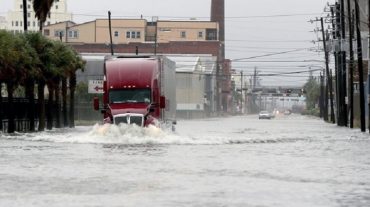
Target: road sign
96,86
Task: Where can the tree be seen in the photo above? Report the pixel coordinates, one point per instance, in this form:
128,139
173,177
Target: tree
44,49
32,73
67,62
1,107
42,9
312,89
65,56
77,65
2,62
8,57
15,58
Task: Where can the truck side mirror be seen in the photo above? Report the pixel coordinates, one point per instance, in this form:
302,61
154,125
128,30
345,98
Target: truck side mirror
151,108
96,103
162,102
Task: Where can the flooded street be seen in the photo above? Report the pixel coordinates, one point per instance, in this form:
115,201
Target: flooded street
235,161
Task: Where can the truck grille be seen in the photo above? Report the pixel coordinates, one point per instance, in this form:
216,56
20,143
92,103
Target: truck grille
137,119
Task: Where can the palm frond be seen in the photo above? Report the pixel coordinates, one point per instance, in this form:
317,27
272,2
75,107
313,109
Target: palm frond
42,8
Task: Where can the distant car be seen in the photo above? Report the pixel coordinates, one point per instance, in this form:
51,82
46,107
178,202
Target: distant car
264,115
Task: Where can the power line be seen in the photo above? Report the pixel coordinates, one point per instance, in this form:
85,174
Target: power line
270,54
231,40
278,61
202,17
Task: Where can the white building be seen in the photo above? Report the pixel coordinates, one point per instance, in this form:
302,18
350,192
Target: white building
2,23
58,13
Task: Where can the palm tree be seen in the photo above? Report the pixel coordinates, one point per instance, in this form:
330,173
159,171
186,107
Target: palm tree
64,101
49,78
1,106
7,68
32,73
42,9
67,62
78,64
65,57
44,49
61,63
2,62
15,59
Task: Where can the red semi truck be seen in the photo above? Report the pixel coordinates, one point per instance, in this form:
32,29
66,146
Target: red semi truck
139,90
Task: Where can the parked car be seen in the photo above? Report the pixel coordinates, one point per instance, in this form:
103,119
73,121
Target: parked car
264,115
287,112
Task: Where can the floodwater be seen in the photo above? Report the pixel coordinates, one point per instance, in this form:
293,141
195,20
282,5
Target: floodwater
235,161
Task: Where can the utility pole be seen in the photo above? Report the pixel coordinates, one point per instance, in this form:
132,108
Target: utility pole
255,78
25,21
360,67
321,101
343,74
329,84
67,32
336,20
368,70
351,61
110,33
253,88
241,91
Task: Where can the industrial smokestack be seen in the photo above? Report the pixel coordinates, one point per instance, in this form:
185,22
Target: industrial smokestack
218,15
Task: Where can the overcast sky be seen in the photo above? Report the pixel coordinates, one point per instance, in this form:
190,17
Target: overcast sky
253,28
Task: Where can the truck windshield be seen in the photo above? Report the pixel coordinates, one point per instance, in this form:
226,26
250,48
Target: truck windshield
129,96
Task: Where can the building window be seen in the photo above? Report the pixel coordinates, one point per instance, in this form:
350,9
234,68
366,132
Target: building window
28,14
49,15
28,23
21,6
116,34
73,34
21,23
211,34
56,6
133,34
34,24
28,6
200,34
183,34
12,23
57,33
16,23
46,32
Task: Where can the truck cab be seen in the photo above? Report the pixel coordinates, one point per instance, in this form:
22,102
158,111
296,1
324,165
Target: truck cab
136,91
